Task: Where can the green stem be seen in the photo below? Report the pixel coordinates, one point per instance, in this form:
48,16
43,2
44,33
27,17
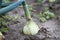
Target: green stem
27,13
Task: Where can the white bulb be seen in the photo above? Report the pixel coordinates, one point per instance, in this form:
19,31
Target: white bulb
1,36
31,28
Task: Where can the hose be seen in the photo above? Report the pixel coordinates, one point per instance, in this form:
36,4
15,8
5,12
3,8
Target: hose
11,7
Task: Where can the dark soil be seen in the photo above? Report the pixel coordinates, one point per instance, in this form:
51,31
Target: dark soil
49,30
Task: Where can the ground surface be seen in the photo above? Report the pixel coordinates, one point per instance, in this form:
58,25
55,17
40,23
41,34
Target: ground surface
50,30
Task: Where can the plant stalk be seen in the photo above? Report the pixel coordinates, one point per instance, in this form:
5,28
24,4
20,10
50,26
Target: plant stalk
27,13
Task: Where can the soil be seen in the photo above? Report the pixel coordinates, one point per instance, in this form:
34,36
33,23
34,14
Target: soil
49,30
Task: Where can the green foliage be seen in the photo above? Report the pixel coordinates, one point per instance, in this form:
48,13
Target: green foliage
6,1
39,1
4,29
42,19
47,17
49,14
4,20
44,16
52,0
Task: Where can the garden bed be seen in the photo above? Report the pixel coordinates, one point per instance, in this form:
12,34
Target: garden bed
49,30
